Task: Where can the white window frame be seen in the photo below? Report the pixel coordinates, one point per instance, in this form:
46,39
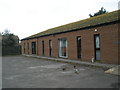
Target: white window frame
60,51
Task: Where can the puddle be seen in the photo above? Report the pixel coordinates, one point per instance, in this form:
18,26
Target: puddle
41,70
81,69
34,67
48,66
67,72
13,77
53,66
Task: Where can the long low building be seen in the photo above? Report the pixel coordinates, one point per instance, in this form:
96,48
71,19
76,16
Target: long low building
96,38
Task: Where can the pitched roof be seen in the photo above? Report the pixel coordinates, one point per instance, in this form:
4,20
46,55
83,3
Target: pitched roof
96,20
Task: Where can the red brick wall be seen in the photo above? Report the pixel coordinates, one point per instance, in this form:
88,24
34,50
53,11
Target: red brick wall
108,46
30,46
119,43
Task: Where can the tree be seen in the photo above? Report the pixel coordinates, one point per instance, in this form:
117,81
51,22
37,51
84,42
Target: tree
6,32
10,43
9,39
0,33
101,11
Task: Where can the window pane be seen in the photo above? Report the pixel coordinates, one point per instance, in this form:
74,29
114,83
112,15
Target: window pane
97,42
63,47
97,54
97,47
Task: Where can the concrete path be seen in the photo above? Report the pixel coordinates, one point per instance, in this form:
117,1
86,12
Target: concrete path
115,70
95,64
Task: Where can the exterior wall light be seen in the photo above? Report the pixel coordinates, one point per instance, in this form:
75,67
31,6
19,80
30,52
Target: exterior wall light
95,30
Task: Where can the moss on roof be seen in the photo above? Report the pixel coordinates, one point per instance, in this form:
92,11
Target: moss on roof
100,19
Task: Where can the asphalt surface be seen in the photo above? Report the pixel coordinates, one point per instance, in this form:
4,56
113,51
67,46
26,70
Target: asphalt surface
27,72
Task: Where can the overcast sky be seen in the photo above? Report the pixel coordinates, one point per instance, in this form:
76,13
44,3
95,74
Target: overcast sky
27,17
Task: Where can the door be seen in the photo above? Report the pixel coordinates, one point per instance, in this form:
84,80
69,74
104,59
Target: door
43,48
79,47
28,47
33,47
97,46
50,47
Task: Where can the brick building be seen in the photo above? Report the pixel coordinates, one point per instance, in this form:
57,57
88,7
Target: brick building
95,37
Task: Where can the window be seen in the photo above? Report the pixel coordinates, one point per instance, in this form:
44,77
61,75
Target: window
97,41
50,47
63,48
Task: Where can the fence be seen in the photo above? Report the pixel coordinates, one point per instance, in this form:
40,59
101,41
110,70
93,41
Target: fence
11,50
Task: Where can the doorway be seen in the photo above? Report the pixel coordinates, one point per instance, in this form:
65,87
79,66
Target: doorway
97,46
50,47
79,47
43,47
33,47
